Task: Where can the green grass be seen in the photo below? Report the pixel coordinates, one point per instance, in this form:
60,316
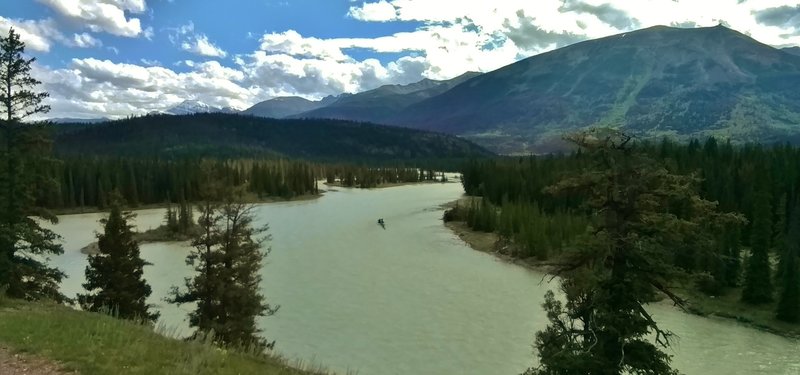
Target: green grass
94,343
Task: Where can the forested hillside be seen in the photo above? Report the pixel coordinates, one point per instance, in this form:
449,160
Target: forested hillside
233,136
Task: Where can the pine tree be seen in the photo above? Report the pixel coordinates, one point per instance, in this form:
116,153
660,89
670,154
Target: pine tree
621,261
24,244
227,260
789,303
114,276
779,236
185,217
757,283
733,264
171,219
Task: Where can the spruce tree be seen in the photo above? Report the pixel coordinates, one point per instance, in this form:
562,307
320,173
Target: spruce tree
24,156
757,283
227,258
789,303
779,236
114,276
171,219
185,217
733,255
621,261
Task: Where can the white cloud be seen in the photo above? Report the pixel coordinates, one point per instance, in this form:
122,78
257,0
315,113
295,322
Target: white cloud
148,62
92,87
37,35
199,44
101,15
40,35
292,43
148,33
84,40
382,11
196,43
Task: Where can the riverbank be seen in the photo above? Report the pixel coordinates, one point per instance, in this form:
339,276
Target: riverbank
390,184
58,338
250,199
159,234
727,305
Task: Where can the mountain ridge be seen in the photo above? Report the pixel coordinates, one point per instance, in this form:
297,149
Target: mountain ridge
654,82
381,104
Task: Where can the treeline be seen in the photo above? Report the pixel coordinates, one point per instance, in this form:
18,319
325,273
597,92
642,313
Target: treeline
760,182
85,182
363,177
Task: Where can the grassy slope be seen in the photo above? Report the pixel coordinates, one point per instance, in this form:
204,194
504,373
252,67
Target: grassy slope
98,344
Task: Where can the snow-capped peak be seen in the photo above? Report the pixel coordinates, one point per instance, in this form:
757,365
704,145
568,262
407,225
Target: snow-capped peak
192,106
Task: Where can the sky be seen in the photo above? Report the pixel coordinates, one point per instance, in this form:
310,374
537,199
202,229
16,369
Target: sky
116,58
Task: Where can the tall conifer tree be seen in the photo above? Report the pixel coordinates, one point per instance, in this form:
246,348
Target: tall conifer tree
621,261
227,259
24,155
757,282
114,276
789,302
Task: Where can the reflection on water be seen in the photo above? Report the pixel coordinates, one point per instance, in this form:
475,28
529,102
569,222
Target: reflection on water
410,299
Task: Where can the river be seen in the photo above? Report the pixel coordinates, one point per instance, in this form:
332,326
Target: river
411,298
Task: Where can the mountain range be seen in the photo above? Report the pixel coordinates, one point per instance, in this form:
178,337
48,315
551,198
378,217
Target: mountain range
659,81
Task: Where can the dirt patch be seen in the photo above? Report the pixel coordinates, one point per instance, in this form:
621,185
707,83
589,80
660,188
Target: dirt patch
481,241
20,364
491,243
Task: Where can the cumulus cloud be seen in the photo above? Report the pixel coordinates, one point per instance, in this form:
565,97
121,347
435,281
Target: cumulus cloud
293,44
604,12
779,16
101,16
40,35
199,44
84,40
382,11
37,35
92,87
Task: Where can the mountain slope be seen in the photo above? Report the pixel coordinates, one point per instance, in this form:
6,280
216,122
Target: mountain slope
230,135
282,107
655,81
385,102
792,50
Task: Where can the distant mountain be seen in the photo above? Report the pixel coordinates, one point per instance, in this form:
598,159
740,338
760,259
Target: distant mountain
282,107
231,135
195,106
652,82
383,103
792,50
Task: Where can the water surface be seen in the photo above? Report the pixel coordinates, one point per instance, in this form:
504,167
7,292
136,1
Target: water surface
410,299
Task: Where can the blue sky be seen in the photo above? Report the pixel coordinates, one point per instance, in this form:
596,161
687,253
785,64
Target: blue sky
122,57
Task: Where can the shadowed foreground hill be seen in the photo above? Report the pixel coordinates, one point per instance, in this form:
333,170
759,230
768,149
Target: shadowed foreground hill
227,135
